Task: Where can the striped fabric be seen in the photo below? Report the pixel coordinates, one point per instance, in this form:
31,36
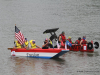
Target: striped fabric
19,36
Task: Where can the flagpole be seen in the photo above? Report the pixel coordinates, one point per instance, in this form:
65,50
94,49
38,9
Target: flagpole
14,33
14,36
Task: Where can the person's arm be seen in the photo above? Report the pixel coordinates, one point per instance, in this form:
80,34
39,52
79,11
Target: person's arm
60,38
81,42
38,46
65,38
45,44
73,42
86,41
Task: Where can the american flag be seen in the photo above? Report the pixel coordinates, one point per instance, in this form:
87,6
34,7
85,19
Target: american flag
19,36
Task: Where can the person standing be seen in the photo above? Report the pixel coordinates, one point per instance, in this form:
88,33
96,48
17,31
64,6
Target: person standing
62,37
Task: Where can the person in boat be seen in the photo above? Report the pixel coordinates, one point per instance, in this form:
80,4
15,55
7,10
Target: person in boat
26,43
33,45
69,39
78,41
17,44
62,37
83,41
47,44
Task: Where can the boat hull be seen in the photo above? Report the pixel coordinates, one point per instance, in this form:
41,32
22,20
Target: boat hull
79,48
38,52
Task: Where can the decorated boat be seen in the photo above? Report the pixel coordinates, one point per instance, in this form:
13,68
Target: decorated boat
38,52
34,52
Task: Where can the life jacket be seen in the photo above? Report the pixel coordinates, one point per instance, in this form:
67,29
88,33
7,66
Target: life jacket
26,44
83,42
32,45
63,38
18,45
70,41
77,42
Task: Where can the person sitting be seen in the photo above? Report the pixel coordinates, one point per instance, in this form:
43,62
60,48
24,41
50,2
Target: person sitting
33,45
26,43
62,37
78,41
17,44
69,39
47,44
83,41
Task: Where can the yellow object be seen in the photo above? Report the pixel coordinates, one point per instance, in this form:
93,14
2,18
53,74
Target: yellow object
69,37
18,45
26,44
51,42
32,45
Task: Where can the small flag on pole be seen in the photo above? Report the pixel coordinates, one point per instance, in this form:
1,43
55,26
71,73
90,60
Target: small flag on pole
68,43
19,36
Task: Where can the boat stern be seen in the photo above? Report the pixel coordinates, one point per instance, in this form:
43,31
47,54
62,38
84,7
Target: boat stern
63,51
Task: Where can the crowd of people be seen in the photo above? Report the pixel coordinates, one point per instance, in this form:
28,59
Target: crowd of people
48,43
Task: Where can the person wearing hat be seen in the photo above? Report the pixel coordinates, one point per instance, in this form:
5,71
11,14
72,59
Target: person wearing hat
69,39
78,41
62,37
26,43
47,44
33,45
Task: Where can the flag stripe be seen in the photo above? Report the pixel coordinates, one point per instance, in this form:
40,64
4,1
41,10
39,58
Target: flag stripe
19,36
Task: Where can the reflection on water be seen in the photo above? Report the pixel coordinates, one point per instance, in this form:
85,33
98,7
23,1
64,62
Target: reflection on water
89,54
70,63
85,54
36,66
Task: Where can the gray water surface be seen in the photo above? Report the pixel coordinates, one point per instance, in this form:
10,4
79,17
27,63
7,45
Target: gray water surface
32,17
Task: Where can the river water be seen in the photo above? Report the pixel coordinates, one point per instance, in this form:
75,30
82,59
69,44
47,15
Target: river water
32,17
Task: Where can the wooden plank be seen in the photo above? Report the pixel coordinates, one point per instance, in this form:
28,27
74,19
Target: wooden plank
10,48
